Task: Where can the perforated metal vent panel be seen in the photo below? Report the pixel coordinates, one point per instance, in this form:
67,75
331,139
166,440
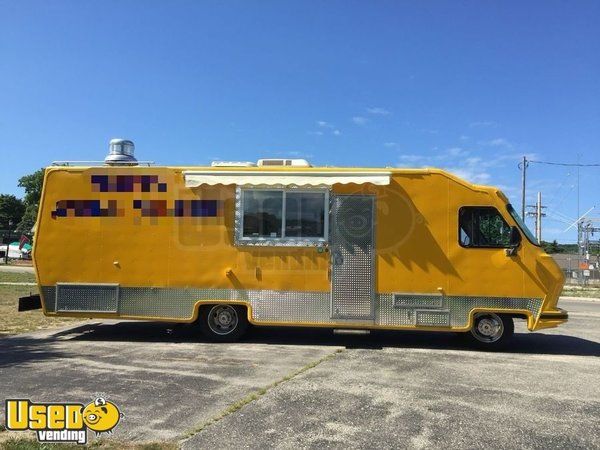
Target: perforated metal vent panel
87,297
432,317
418,301
352,257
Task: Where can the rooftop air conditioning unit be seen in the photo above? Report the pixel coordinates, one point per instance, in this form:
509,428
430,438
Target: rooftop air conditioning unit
283,162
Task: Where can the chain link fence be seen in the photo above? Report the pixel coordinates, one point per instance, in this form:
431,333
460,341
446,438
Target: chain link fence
579,271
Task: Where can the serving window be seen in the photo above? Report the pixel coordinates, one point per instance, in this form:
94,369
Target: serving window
282,216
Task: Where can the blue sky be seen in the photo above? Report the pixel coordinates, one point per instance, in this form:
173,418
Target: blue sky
467,86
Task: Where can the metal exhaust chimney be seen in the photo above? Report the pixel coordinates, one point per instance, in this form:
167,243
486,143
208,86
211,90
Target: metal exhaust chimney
121,152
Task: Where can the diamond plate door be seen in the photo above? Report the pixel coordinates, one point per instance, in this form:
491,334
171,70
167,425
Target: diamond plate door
352,257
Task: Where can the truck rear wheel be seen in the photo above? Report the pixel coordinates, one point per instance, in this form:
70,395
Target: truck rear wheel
223,322
492,331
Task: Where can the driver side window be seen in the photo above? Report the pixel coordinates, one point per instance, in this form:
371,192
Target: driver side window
482,227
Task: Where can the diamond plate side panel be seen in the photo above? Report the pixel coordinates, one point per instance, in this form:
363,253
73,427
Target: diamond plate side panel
49,297
418,301
305,307
176,303
432,318
271,306
87,297
460,307
352,254
267,306
388,315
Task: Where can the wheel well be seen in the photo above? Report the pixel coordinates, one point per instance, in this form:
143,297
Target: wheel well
207,305
517,316
514,315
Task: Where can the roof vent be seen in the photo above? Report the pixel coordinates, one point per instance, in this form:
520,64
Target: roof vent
121,153
284,162
232,164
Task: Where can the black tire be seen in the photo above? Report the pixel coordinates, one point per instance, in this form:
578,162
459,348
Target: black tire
223,322
491,331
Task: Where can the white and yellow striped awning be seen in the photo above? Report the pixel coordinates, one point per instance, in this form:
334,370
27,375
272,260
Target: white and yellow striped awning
196,178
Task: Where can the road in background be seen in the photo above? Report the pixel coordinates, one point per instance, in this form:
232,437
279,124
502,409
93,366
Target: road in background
17,269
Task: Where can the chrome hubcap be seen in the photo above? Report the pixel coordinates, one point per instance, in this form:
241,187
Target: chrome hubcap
222,319
488,327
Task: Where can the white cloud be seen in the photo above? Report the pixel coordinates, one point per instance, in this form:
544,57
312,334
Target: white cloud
470,174
459,161
483,123
508,190
288,154
378,111
390,144
323,124
464,138
298,154
325,127
456,152
408,158
358,120
499,142
473,160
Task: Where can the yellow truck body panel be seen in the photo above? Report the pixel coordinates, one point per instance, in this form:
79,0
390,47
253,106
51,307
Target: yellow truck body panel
138,244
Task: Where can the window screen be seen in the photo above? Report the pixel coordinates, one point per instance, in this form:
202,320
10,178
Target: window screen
304,214
482,226
284,215
263,211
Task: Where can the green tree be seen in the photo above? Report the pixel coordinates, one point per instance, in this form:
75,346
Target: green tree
552,247
33,187
11,211
33,191
28,219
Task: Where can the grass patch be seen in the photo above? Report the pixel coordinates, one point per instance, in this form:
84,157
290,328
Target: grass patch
256,395
14,322
17,277
581,291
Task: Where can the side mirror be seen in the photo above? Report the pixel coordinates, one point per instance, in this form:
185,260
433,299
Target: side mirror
515,241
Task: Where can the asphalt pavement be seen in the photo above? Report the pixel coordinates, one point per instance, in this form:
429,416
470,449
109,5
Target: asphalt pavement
307,388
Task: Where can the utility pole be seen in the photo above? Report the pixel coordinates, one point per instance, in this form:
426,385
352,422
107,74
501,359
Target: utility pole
587,229
523,165
578,185
580,238
537,214
580,223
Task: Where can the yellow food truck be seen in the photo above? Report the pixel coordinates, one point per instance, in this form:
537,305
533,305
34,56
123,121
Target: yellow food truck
282,243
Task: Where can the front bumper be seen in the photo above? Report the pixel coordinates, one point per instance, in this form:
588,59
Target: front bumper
551,319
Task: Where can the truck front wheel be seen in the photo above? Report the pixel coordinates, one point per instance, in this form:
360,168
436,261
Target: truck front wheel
223,322
492,331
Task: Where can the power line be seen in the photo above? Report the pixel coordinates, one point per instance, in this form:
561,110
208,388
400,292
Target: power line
563,164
